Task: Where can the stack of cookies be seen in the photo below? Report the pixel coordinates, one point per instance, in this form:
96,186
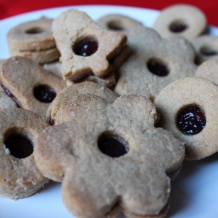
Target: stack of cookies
110,108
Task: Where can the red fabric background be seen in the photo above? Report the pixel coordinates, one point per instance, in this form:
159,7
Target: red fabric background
13,7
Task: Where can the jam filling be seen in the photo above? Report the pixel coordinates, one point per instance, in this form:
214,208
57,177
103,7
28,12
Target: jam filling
208,51
19,146
191,120
44,94
178,27
35,30
112,145
85,47
157,68
51,121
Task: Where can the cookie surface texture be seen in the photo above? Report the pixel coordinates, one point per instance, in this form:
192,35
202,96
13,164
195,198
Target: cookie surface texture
32,87
86,48
59,109
188,108
153,63
181,20
97,178
19,175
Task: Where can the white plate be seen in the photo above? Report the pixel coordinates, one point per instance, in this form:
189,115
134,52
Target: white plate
194,191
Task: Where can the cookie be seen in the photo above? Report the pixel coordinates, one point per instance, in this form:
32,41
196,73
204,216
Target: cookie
19,175
181,20
32,87
117,22
58,109
34,40
153,63
87,50
188,108
111,156
206,47
54,67
6,102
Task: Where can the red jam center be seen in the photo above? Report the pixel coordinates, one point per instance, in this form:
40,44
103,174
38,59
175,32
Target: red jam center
191,120
19,146
85,47
178,27
157,68
112,145
51,121
208,51
44,94
35,30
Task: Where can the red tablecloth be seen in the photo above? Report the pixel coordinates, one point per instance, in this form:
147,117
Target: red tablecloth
13,7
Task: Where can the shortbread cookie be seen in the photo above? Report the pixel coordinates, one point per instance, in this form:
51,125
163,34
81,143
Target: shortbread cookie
58,109
111,156
154,62
33,39
188,108
5,101
32,87
87,49
19,175
54,67
181,20
117,22
206,47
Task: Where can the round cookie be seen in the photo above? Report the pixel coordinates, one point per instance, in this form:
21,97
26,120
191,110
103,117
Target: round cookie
117,22
19,175
33,39
206,47
181,20
32,87
154,62
56,112
110,155
188,108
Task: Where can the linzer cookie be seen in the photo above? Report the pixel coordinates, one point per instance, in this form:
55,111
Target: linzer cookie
34,40
88,52
60,109
206,47
19,175
32,87
181,20
154,62
188,108
54,67
117,22
109,157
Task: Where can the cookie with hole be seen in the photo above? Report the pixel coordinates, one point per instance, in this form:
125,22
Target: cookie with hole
154,62
181,20
206,48
117,22
29,85
188,108
88,52
110,156
19,175
34,40
58,110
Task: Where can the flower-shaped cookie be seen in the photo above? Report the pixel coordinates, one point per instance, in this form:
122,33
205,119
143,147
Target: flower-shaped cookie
111,156
88,52
154,62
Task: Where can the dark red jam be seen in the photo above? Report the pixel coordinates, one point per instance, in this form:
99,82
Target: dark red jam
112,145
208,51
35,30
19,146
85,47
51,121
191,120
178,27
7,92
44,93
82,78
157,68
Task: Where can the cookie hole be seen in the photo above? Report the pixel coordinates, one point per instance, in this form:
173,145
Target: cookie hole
208,51
112,145
115,25
191,120
19,145
44,93
82,78
157,67
34,30
178,26
85,47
